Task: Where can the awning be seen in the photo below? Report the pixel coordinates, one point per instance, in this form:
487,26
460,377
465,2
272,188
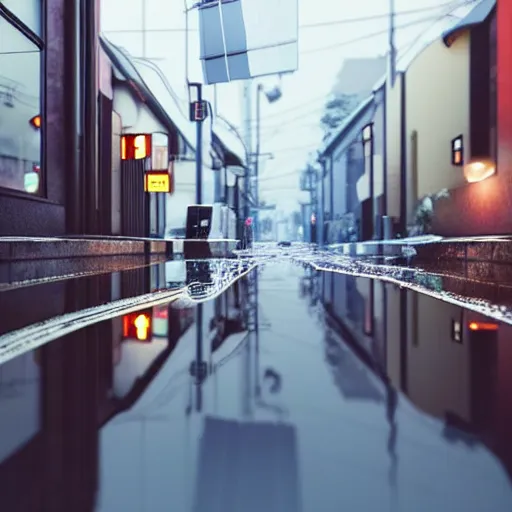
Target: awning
478,15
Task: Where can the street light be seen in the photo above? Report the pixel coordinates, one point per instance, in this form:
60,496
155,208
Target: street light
272,95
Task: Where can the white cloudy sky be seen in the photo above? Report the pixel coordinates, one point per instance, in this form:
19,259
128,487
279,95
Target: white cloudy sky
289,127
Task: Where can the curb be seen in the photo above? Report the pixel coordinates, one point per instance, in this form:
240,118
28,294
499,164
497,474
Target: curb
14,249
490,250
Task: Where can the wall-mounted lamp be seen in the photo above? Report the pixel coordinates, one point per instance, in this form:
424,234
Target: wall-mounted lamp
479,170
458,151
36,122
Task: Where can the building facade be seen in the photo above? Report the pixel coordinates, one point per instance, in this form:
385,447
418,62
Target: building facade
480,206
41,113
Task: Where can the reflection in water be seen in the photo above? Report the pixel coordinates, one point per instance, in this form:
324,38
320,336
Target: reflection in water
427,349
215,412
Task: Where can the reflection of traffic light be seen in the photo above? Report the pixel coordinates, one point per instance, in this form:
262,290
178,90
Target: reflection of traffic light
138,325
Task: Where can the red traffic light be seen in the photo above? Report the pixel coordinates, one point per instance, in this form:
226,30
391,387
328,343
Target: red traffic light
138,326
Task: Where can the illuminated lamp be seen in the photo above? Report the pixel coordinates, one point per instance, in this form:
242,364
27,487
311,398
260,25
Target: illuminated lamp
138,326
135,147
479,170
482,326
36,122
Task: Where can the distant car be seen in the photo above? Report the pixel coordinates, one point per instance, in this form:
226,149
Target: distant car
284,243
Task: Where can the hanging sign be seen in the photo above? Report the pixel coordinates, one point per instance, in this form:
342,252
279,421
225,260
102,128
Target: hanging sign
157,181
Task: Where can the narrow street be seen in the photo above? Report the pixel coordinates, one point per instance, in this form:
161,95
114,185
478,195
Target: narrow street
284,399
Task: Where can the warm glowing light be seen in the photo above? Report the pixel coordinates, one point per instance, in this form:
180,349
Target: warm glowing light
479,171
478,326
36,121
135,147
142,324
138,326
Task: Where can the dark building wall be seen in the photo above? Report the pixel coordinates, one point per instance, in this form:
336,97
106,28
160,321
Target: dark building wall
21,214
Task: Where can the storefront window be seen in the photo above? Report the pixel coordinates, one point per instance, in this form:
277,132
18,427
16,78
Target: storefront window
27,11
20,107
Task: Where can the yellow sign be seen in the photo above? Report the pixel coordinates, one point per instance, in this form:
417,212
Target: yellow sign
157,182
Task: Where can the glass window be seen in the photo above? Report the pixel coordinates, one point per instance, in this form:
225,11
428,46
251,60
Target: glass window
28,11
20,121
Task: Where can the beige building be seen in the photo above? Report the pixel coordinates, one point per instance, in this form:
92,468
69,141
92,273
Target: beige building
428,113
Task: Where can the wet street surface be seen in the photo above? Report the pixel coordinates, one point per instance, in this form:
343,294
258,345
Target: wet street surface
275,381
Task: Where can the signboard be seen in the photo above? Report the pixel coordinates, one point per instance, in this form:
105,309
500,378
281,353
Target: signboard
157,181
135,147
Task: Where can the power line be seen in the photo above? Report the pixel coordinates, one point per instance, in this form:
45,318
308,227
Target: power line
319,24
325,97
368,36
363,19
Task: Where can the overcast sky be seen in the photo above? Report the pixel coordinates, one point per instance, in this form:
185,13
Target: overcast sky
290,127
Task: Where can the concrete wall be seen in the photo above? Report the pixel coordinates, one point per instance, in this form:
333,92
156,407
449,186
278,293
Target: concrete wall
437,110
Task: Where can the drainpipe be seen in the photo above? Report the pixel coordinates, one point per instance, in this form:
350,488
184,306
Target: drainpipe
403,157
73,99
385,151
90,81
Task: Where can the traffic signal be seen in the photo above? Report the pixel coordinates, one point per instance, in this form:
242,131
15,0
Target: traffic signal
198,111
138,326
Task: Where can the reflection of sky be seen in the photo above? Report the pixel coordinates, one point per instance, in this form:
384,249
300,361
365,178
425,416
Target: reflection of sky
148,454
290,127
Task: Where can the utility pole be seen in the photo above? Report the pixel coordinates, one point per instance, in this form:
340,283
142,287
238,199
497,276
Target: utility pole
247,120
257,164
143,21
198,113
392,47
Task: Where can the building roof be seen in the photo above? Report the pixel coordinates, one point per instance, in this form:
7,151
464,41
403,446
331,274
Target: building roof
477,15
357,76
148,86
153,87
436,31
347,124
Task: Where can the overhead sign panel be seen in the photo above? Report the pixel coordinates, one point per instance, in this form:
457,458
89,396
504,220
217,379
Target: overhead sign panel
243,39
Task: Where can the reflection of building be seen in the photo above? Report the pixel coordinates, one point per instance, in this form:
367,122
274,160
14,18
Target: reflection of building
450,371
55,443
356,305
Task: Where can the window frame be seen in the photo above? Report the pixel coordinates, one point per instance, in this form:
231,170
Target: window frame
39,41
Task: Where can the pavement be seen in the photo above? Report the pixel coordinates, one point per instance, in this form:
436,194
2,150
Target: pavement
432,249
428,249
32,248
